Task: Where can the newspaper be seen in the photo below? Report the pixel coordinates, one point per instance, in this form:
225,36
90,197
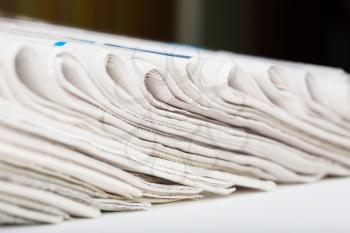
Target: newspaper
92,122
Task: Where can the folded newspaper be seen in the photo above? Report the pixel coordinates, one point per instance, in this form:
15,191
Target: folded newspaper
92,122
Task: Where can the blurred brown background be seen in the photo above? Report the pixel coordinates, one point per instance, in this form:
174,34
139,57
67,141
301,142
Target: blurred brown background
308,31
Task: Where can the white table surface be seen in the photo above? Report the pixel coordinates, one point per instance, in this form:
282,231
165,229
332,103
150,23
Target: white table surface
318,207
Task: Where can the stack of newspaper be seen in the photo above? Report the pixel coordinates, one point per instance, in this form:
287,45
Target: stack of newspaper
92,122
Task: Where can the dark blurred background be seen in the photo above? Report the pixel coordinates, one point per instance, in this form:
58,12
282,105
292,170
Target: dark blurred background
309,31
